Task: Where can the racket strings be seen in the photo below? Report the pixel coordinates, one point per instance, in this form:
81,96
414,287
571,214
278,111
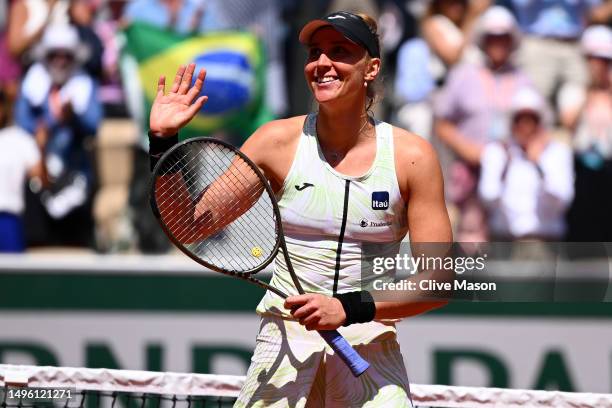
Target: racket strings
214,203
174,222
200,246
218,205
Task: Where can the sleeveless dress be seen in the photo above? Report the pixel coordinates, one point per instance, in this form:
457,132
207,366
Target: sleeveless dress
328,219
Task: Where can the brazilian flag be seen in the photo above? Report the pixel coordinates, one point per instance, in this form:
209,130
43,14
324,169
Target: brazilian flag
235,79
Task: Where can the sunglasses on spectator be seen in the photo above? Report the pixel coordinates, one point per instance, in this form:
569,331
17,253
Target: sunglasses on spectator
526,115
499,36
59,54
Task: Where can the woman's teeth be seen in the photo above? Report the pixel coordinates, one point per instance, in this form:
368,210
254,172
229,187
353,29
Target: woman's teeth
325,80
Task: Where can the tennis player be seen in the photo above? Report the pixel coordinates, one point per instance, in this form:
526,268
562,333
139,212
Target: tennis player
342,179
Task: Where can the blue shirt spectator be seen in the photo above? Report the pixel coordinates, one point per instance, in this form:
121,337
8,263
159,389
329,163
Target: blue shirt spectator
183,16
553,18
57,93
59,96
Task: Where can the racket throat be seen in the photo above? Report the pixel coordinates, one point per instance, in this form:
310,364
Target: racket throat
294,278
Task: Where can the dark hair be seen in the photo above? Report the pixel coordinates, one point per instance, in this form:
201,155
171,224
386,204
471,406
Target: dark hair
375,90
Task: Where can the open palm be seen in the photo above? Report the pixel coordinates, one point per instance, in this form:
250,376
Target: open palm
172,111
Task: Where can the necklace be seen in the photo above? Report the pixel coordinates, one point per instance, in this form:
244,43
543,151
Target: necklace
336,155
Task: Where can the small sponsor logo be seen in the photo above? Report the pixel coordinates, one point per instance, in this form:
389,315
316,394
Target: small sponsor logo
303,186
365,223
380,200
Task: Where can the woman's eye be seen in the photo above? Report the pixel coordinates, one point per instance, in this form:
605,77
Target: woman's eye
339,50
314,53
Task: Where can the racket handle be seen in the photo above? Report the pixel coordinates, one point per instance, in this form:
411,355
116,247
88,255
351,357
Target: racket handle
345,351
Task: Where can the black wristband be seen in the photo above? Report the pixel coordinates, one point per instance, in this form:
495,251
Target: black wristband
359,307
158,146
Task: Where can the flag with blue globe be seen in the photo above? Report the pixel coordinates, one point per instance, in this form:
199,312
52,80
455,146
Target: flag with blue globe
235,65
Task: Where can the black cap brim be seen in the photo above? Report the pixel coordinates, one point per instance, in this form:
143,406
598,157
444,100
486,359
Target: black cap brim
351,26
310,28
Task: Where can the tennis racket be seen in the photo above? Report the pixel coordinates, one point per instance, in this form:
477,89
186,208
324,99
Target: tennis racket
218,208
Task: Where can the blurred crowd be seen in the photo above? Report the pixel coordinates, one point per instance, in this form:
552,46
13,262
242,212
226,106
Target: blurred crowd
515,95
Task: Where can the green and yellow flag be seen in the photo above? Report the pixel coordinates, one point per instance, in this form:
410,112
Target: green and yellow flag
235,80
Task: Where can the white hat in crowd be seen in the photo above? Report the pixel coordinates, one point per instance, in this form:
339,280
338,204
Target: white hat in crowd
497,20
529,99
61,37
597,41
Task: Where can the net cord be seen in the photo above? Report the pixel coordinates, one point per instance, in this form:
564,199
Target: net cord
168,383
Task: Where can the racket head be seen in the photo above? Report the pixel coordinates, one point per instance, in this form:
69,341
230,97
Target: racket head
187,175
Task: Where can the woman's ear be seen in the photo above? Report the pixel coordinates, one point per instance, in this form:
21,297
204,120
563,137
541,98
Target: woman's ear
372,70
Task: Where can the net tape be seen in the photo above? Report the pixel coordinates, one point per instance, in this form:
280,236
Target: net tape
167,383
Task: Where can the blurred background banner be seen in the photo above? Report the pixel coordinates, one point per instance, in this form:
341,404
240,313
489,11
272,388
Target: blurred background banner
166,313
235,80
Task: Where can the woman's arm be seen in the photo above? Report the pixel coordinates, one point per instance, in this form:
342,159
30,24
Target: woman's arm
450,135
18,43
193,220
494,164
420,178
429,226
436,37
39,169
269,148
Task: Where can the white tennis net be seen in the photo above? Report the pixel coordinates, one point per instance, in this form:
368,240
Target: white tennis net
106,388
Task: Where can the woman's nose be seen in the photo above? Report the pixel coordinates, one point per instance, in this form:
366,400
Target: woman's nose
323,60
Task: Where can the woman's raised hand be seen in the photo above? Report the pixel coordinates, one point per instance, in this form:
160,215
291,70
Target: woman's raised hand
172,111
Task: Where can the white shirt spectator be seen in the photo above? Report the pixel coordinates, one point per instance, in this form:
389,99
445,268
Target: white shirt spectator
18,154
526,199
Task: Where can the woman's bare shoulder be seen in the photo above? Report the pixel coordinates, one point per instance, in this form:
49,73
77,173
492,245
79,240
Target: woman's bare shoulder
273,146
411,148
276,134
416,160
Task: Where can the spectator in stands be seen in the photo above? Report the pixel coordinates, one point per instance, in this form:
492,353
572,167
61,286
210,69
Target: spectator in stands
28,21
181,16
423,63
602,14
82,14
472,110
59,94
550,53
10,70
20,158
447,28
527,182
106,25
590,218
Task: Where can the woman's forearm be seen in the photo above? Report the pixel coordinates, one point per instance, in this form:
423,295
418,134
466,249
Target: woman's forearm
466,149
398,310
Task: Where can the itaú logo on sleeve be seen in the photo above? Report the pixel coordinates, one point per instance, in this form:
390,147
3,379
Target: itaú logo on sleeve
380,200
